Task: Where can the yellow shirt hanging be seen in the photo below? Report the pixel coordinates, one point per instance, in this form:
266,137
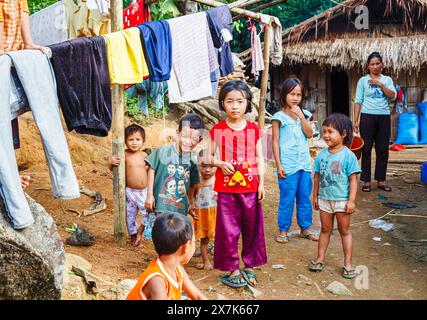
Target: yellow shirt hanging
126,62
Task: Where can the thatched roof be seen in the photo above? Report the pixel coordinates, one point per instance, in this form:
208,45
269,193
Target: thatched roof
398,32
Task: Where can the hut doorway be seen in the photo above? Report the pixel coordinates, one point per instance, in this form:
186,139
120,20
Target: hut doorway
338,91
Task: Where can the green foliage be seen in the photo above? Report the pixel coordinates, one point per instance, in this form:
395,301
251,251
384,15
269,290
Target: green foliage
37,5
132,111
163,10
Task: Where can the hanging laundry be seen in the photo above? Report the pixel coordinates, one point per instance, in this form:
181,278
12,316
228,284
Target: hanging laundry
135,14
256,50
126,61
148,89
18,105
83,80
49,25
220,22
157,45
193,58
102,5
275,39
15,134
401,102
36,75
83,22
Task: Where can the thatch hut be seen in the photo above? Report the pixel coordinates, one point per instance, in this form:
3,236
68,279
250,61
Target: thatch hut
328,52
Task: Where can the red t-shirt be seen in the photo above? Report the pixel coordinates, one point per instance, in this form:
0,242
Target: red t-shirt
238,148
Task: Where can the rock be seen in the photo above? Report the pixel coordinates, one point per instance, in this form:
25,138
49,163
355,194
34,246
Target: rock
74,287
124,287
339,289
31,260
255,292
305,280
77,261
219,296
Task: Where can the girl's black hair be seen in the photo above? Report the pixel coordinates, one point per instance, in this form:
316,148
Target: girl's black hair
240,86
171,231
193,120
342,124
287,87
375,55
133,128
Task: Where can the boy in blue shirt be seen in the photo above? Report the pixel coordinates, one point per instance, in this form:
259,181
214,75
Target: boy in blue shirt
335,187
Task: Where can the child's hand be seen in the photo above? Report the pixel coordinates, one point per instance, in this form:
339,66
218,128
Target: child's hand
281,172
227,168
316,202
115,160
150,204
25,182
297,110
261,192
350,207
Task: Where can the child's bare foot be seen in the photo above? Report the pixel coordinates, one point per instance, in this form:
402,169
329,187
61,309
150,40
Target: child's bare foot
204,266
25,182
139,234
133,239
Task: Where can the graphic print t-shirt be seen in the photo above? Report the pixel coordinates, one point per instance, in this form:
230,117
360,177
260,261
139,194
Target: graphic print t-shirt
334,170
239,149
175,174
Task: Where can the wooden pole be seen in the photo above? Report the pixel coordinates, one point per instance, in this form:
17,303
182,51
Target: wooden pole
265,75
119,181
247,13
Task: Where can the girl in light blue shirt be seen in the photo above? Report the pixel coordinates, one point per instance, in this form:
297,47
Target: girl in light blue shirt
291,131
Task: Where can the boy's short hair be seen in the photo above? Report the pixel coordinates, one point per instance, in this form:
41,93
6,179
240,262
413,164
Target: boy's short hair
193,120
171,231
133,128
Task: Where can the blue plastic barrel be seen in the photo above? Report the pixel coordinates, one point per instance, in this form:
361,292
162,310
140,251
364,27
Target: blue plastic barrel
424,172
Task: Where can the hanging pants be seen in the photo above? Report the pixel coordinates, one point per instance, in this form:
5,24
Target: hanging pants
239,213
375,129
36,75
295,186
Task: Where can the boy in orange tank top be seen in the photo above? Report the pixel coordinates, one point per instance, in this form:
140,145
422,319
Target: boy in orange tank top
165,277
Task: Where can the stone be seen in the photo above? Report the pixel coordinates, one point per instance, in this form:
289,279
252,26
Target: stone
339,289
74,287
77,261
124,287
253,291
219,296
31,260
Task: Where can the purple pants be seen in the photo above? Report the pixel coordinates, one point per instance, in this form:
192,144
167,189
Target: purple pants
239,213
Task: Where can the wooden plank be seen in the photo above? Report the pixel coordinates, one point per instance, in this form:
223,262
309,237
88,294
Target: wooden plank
119,180
407,161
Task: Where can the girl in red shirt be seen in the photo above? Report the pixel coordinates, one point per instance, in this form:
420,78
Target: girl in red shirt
240,186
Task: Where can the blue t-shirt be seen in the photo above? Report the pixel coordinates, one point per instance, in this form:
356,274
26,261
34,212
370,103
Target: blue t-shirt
372,98
293,144
334,170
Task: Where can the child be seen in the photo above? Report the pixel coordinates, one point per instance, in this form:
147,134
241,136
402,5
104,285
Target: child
240,187
291,131
169,189
15,31
165,277
335,187
206,198
136,180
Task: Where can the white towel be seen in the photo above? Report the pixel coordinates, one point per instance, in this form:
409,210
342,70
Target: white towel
193,58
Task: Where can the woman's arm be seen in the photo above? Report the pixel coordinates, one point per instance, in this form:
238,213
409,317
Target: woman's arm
276,148
190,289
356,116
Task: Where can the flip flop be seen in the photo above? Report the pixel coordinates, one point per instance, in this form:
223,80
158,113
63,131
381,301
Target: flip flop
282,238
233,281
366,188
348,273
249,275
384,187
308,236
316,266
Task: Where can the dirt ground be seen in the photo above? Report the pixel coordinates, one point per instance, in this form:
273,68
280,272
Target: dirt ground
396,265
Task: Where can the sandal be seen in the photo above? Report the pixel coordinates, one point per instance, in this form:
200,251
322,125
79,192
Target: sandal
316,266
234,281
348,273
282,238
384,187
308,236
366,188
249,276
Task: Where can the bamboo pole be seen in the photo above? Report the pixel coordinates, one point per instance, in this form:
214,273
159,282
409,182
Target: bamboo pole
215,4
265,75
119,182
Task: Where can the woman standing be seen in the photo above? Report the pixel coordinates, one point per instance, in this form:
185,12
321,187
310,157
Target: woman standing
372,109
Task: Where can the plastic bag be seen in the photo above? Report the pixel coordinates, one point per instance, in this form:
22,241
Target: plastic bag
381,224
407,129
422,106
